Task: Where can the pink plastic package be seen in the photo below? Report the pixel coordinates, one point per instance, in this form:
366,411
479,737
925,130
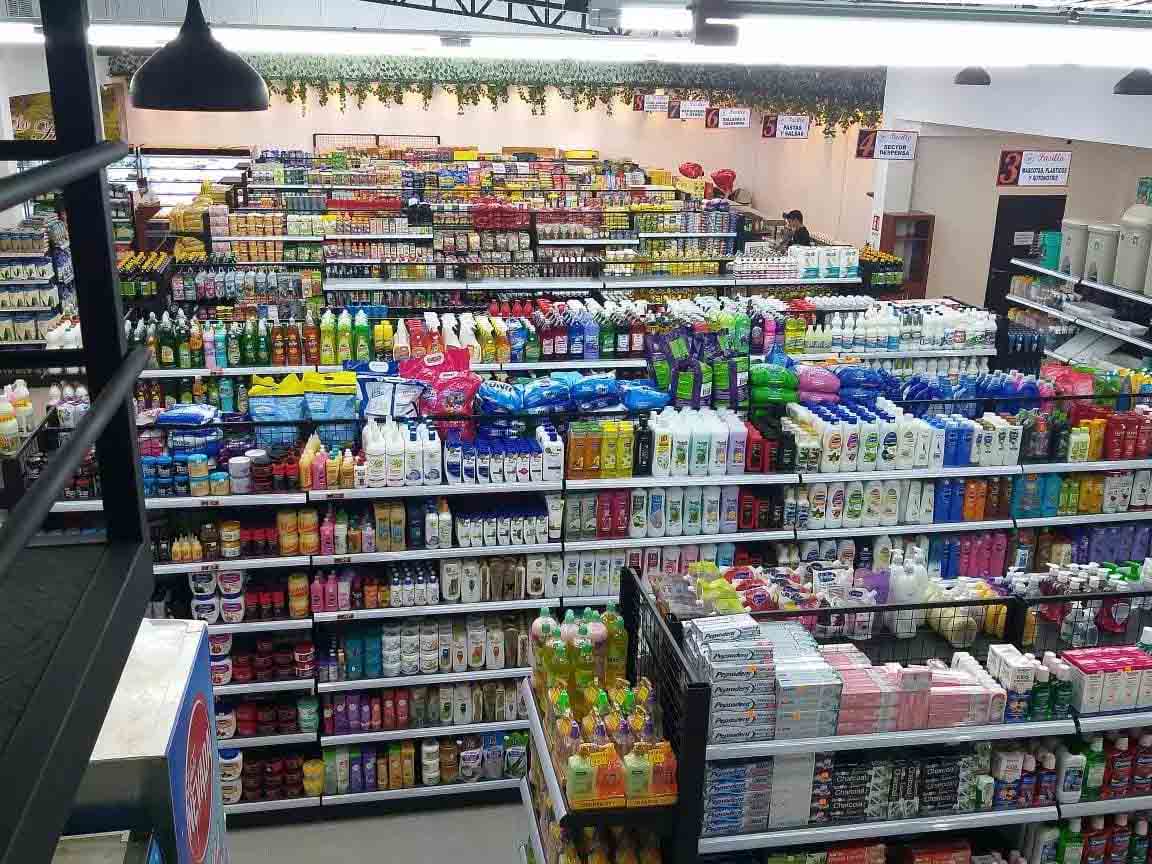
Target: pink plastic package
816,378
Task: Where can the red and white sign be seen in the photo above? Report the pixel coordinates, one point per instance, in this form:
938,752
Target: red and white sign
785,126
687,109
656,104
890,144
199,780
728,118
1034,167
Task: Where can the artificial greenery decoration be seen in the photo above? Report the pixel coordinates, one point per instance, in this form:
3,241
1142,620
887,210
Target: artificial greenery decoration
832,97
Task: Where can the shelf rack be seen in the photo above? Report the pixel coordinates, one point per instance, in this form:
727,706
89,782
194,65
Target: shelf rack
1082,322
419,680
1080,280
426,732
421,792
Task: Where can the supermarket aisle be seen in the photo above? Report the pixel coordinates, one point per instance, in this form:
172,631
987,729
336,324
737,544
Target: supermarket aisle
478,835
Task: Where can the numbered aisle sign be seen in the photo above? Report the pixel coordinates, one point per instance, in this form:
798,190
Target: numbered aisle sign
785,126
1034,167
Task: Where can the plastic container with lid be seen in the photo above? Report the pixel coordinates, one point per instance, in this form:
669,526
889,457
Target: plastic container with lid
225,722
1100,260
231,764
232,608
206,609
1132,248
219,644
220,669
1073,246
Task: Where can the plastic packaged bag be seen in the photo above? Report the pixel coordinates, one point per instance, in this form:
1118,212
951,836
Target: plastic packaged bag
640,397
498,397
188,415
772,375
816,378
550,393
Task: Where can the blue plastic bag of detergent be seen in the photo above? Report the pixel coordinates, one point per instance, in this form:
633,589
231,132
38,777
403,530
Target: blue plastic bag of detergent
188,415
497,397
640,397
857,376
595,390
546,394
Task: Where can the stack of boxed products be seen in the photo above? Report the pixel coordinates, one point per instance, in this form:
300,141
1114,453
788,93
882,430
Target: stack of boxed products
772,680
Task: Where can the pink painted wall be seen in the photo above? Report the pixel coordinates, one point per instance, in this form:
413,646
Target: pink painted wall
820,177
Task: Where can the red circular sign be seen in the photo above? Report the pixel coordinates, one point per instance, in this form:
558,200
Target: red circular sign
198,778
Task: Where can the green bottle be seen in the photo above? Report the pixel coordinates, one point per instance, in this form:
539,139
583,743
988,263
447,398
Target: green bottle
166,340
1094,765
1071,847
361,337
234,344
183,346
213,392
532,345
607,337
263,355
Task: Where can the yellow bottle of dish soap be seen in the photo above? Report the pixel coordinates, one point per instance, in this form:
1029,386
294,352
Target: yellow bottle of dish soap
609,442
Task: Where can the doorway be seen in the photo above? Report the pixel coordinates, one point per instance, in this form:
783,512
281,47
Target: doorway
1019,221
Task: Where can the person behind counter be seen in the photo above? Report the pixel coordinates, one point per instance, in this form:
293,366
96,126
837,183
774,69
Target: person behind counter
799,234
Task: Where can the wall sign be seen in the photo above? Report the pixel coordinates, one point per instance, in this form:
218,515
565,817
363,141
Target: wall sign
785,126
728,118
1034,168
656,104
886,144
687,109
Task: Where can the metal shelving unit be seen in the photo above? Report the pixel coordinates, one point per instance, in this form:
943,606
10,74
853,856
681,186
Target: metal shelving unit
419,680
421,792
266,741
270,806
306,684
426,732
438,609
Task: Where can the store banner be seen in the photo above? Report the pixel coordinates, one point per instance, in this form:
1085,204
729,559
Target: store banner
656,104
1034,167
687,109
890,144
728,118
785,126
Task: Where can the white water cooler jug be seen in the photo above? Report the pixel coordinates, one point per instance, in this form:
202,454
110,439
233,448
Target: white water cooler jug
1073,246
1100,262
1132,250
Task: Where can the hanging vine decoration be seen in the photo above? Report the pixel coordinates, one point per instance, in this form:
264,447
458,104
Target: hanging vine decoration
834,98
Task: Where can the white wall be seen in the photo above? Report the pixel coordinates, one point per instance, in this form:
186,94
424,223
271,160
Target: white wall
1059,101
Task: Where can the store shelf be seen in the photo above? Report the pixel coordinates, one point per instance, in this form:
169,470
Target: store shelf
428,732
433,491
1081,322
625,283
533,824
422,792
395,236
1086,519
606,363
280,263
307,684
274,237
839,280
269,806
540,754
934,528
1119,292
658,235
277,626
29,309
7,282
912,473
353,284
4,255
641,542
543,283
1106,807
818,835
423,554
578,602
266,741
590,241
1068,467
910,738
89,506
719,480
1028,264
192,503
232,564
226,372
438,609
418,680
1108,722
393,262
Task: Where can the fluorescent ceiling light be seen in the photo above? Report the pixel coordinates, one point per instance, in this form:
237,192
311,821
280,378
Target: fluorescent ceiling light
790,40
669,19
256,40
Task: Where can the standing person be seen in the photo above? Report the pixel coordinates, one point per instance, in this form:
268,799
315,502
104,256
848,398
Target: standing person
799,234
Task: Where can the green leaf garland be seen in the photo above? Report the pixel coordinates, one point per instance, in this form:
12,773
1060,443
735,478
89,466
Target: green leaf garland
833,97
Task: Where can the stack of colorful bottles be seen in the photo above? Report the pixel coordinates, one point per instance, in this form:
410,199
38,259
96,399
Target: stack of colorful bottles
246,775
607,846
221,280
431,707
1101,768
425,762
603,738
260,659
425,646
233,597
421,583
260,716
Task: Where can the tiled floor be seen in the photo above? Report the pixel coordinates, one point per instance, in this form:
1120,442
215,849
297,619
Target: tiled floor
476,835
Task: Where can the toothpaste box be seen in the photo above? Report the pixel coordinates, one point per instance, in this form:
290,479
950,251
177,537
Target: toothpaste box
757,650
723,628
754,688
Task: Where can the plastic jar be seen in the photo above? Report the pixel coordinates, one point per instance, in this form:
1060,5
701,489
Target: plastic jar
309,543
232,608
449,761
199,487
218,483
202,584
307,519
221,670
239,467
261,474
289,543
287,521
206,609
230,581
231,764
197,466
299,603
219,644
231,791
246,720
230,534
225,722
308,713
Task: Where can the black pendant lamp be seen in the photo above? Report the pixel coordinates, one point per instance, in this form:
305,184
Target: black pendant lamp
1138,82
974,76
194,72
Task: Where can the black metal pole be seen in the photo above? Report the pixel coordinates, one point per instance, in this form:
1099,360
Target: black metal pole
18,188
79,125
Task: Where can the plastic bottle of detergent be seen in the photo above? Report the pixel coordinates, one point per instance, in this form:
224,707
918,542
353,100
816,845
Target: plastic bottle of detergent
375,452
681,446
737,443
431,455
328,338
394,449
700,447
718,462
